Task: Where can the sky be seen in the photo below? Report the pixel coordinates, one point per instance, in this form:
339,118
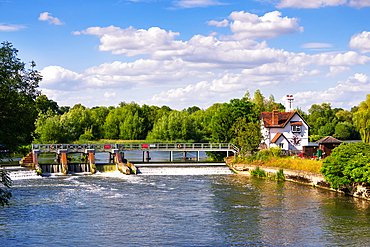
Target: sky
183,53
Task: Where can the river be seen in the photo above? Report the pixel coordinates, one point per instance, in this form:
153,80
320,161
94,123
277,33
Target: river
110,209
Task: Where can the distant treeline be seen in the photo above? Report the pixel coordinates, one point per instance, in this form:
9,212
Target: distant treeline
221,123
218,123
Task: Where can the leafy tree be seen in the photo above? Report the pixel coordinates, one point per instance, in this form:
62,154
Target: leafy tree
125,122
247,136
51,129
175,126
361,119
222,124
18,92
192,109
63,109
327,130
347,164
98,117
262,104
322,118
344,116
343,130
6,182
43,104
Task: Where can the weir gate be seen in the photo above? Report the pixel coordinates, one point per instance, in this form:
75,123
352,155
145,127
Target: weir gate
116,155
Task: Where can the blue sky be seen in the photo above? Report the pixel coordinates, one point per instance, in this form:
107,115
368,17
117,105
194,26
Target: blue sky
194,52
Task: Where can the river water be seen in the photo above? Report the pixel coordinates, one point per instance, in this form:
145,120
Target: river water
110,209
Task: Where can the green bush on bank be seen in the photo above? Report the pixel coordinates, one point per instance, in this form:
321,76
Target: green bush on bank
257,172
348,164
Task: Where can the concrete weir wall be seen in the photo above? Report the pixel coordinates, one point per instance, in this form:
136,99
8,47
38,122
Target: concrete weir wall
359,190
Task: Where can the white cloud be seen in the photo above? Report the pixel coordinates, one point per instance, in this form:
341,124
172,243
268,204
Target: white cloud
56,77
223,23
196,3
132,42
46,16
346,94
271,25
334,70
10,27
361,41
311,4
109,95
359,3
316,45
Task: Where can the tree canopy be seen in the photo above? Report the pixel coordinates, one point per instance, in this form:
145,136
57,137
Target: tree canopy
347,164
362,119
18,92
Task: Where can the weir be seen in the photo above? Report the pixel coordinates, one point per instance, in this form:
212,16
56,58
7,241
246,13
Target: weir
116,156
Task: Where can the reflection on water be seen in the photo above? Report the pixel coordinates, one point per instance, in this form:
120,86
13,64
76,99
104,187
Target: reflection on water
208,210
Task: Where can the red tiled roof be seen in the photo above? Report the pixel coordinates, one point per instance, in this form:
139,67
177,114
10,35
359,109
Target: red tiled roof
284,118
296,123
277,136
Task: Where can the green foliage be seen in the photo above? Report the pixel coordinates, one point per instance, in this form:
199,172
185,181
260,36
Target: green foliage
347,164
325,121
6,182
257,172
276,152
87,136
176,125
18,92
344,131
43,104
361,119
280,175
314,138
247,136
327,130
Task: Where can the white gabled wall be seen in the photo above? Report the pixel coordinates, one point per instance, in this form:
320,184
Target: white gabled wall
269,133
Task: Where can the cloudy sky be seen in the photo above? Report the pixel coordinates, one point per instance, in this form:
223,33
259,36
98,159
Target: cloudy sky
182,53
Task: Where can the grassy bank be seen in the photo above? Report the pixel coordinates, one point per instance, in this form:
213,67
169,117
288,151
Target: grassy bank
272,158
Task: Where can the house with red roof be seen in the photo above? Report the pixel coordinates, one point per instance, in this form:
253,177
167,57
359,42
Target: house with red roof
287,130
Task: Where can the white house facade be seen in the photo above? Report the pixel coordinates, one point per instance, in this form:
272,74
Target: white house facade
287,130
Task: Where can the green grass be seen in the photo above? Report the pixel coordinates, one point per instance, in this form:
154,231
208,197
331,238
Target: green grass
287,162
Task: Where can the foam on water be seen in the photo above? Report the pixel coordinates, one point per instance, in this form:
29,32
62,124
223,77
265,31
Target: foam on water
202,170
18,173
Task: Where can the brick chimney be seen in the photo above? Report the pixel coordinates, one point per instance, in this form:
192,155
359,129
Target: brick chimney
275,117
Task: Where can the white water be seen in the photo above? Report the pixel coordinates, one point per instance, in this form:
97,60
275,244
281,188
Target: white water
178,170
18,173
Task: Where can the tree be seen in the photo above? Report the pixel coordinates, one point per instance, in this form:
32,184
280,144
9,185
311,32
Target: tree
247,136
5,181
18,92
43,104
322,118
347,164
361,119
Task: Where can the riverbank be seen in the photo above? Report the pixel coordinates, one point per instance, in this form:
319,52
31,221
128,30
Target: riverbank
360,190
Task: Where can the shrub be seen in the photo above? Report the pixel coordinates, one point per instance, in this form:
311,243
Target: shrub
347,164
257,172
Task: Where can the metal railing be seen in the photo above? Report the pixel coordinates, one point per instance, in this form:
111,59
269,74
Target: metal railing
137,146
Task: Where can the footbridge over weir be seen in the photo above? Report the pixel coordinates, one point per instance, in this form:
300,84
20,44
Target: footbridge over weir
116,153
145,147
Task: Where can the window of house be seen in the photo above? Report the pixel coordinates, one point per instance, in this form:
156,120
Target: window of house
281,145
296,128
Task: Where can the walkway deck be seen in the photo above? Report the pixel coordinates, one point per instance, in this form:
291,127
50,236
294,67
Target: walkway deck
172,147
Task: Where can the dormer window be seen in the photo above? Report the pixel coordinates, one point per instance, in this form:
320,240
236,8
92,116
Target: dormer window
296,127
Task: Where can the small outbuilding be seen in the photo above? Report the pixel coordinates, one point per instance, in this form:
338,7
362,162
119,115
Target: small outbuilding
326,145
